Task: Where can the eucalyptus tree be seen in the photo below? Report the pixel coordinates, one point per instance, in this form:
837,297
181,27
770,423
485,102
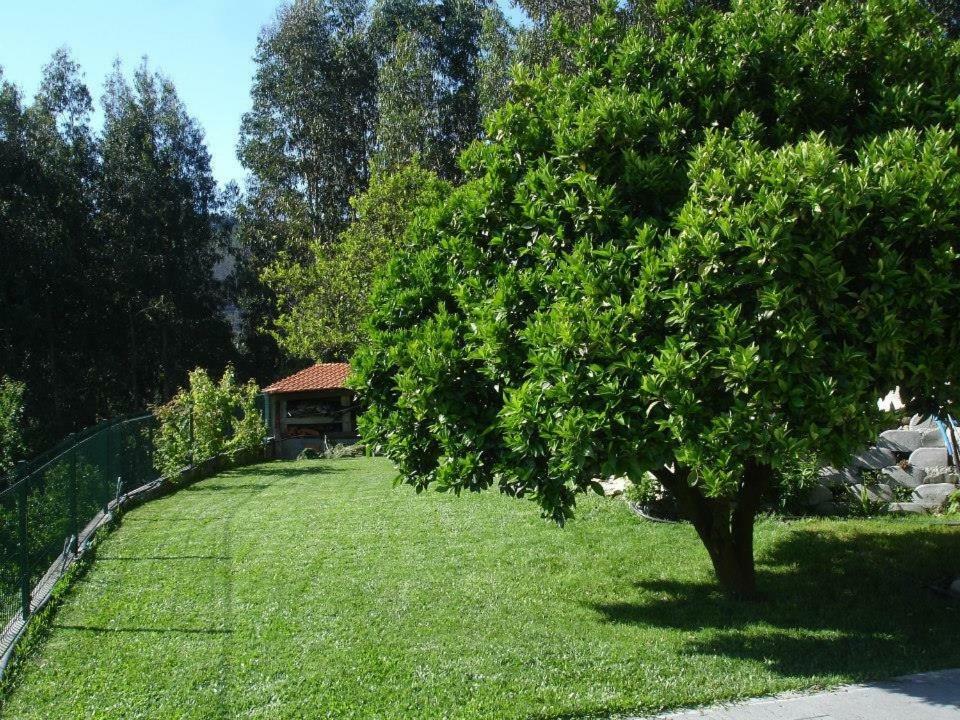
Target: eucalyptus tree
158,232
48,167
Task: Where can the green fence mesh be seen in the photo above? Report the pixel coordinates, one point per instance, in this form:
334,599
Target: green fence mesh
49,501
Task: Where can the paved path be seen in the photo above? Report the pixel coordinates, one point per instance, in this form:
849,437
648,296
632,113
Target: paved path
928,696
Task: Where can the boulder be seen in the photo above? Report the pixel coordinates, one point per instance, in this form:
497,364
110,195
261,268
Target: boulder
918,422
907,508
955,587
873,459
934,496
829,476
826,508
941,475
901,441
932,439
875,493
909,477
929,457
817,495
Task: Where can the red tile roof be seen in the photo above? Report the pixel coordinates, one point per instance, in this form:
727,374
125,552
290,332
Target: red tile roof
322,376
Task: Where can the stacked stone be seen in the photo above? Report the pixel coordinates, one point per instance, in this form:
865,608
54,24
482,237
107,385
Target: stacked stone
911,457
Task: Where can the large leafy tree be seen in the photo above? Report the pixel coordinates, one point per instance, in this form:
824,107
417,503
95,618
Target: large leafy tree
704,251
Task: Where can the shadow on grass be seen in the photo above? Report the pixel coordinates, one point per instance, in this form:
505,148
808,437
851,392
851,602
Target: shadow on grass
161,630
858,605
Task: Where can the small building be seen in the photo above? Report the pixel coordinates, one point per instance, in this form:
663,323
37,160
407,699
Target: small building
311,408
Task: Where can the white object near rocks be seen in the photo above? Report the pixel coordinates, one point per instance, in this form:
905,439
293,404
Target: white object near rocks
903,441
929,457
933,439
873,459
910,477
908,508
614,486
874,493
934,495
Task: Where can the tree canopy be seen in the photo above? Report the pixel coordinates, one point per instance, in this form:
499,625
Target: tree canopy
703,251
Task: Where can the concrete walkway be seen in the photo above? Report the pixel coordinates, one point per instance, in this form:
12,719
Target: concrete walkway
928,696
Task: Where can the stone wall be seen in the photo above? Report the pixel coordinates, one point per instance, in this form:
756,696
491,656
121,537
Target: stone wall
907,470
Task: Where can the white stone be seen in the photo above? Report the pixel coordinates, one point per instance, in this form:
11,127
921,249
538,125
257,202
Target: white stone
918,422
873,459
904,441
908,478
929,457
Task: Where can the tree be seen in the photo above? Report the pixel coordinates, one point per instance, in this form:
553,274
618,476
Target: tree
700,254
159,228
323,303
50,285
306,144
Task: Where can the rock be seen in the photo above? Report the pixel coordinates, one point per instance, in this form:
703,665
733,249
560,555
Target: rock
929,457
935,495
818,495
941,475
907,508
614,486
903,441
918,422
875,493
829,476
850,476
955,587
909,477
826,508
873,459
932,439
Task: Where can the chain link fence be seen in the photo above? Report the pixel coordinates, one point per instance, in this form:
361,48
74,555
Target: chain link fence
49,502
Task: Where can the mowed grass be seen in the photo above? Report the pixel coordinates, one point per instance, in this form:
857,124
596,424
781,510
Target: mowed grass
317,589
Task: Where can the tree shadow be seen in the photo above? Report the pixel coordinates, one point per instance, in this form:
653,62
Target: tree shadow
857,605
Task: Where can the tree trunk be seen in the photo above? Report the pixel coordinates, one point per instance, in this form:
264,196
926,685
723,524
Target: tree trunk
725,526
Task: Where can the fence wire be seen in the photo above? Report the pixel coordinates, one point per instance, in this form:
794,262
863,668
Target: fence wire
49,501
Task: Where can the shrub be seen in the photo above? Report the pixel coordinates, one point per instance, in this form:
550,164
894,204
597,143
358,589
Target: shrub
208,419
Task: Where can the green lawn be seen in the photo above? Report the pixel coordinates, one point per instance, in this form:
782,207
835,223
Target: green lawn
316,589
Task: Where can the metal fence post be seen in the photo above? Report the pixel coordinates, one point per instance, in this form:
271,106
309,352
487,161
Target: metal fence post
107,468
74,519
24,547
190,435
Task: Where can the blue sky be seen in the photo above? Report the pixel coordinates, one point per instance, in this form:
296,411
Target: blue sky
204,46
